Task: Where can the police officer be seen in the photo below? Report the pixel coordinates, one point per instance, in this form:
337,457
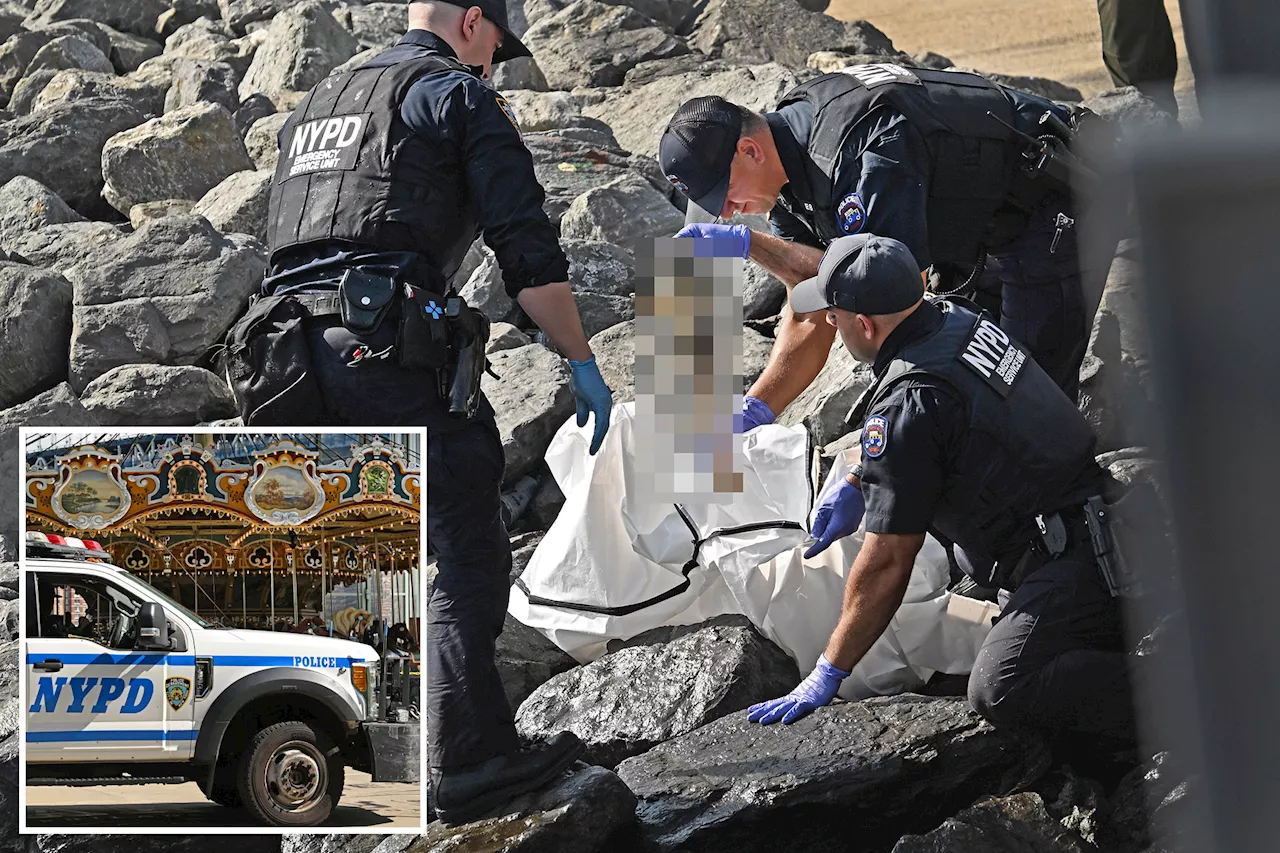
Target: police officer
1138,48
387,174
965,435
931,158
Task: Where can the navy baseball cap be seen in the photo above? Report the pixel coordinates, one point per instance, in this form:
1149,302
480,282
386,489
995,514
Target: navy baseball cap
864,274
495,11
696,151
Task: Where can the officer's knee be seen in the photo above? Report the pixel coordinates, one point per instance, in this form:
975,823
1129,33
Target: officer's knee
993,696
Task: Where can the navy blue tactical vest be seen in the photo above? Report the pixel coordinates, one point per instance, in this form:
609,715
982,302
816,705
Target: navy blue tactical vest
974,157
350,166
1027,449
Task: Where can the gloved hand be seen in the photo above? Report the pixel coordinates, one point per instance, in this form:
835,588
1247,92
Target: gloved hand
593,397
736,236
814,692
839,514
755,413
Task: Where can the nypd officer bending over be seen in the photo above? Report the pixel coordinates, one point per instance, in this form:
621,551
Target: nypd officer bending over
386,176
965,435
931,158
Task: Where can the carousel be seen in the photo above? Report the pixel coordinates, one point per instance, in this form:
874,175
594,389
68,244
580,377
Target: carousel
292,534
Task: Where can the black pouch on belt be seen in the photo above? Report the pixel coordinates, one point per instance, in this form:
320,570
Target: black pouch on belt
268,364
424,331
366,300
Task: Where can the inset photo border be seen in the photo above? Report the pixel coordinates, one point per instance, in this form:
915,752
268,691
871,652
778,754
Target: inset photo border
221,629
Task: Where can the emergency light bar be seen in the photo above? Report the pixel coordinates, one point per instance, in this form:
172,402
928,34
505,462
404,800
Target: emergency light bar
65,545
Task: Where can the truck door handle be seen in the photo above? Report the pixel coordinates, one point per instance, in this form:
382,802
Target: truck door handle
51,665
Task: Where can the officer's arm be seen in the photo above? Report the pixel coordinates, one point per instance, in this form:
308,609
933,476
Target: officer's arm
802,341
872,594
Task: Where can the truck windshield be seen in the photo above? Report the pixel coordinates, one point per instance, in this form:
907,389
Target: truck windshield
166,600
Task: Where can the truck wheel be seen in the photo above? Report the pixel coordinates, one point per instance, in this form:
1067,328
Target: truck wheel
285,778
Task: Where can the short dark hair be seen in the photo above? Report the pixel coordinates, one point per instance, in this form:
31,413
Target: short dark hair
752,122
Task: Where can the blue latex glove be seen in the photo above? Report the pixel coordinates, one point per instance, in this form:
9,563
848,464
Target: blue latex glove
593,397
814,692
755,413
838,516
737,238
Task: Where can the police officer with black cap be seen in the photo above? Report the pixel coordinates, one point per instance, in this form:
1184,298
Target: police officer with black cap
963,434
386,176
974,177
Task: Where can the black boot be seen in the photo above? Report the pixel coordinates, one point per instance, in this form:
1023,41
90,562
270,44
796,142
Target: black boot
464,794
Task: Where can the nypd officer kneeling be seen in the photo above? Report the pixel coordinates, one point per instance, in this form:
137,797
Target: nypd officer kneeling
965,435
387,174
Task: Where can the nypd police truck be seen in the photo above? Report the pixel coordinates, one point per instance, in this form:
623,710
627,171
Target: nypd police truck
126,686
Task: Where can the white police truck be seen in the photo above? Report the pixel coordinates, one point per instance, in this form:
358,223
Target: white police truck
126,686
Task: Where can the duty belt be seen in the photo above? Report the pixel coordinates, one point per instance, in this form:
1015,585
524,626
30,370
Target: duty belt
320,303
1079,531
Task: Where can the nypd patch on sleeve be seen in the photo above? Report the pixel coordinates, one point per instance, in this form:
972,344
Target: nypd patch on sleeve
324,145
875,436
508,111
994,356
850,214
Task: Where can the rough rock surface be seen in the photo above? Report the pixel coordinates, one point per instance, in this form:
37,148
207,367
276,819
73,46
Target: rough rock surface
1016,824
26,205
637,114
567,167
527,660
627,211
753,31
251,111
205,41
61,247
615,350
755,355
72,86
880,765
62,146
28,89
130,16
762,294
1129,111
35,330
238,204
504,336
158,395
239,14
823,405
532,400
377,25
182,154
261,141
592,44
149,211
576,814
70,52
162,296
520,73
660,685
200,81
128,51
303,45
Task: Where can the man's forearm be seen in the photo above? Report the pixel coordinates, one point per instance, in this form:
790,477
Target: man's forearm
553,308
791,263
873,592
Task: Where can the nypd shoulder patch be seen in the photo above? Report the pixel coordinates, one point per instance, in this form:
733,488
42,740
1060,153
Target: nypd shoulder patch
875,436
508,111
851,215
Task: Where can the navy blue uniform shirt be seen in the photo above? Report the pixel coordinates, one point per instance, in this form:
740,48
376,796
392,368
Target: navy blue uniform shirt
486,181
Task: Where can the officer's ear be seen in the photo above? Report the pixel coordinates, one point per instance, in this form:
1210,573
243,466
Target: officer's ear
471,22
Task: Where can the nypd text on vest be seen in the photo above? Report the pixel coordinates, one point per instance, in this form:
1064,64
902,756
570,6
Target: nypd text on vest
993,355
326,143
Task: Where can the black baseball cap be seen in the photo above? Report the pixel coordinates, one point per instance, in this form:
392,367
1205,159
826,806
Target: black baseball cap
696,151
495,11
864,274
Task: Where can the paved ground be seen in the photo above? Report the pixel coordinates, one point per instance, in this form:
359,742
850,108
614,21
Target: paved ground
1059,39
385,805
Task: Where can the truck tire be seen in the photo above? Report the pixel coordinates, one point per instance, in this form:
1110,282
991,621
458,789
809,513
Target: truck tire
285,779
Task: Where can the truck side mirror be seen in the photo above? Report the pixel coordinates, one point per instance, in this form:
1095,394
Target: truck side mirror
153,627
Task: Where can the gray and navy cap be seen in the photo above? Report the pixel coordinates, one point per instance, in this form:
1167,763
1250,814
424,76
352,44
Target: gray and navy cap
696,151
864,274
495,11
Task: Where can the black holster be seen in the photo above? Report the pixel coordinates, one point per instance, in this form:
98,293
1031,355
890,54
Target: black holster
469,338
424,331
268,364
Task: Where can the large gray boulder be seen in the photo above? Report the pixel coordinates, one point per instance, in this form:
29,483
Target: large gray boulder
182,154
130,16
670,13
1014,824
205,41
540,110
519,73
252,111
28,88
20,49
1128,112
504,336
158,395
239,14
882,765
60,247
200,81
162,296
57,407
592,44
70,52
578,813
627,211
756,31
658,686
599,267
263,143
527,660
74,86
376,25
615,351
532,399
762,294
756,349
567,167
823,405
26,205
484,291
129,51
183,12
238,204
62,146
35,314
302,46
638,114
